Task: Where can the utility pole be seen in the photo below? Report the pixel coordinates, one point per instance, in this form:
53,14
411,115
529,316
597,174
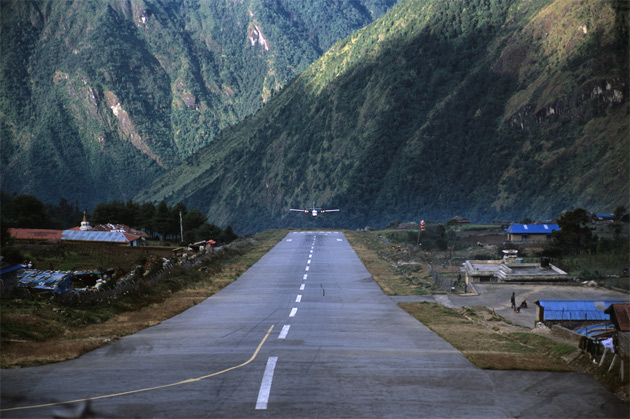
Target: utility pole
181,228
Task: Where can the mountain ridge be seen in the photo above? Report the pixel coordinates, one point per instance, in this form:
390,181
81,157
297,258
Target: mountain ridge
424,114
98,97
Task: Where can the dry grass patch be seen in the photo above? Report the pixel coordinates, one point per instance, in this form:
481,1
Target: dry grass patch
382,272
70,342
509,361
470,331
36,332
380,261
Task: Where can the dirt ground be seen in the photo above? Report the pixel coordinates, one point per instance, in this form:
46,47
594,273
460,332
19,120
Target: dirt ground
496,297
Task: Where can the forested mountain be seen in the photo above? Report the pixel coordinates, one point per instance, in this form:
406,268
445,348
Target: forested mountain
97,97
488,109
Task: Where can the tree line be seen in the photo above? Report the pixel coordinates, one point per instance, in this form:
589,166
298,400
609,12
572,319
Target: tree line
576,237
159,221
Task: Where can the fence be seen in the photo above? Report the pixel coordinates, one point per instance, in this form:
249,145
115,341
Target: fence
110,289
133,282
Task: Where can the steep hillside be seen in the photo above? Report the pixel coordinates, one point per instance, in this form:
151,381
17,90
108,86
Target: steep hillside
97,97
486,109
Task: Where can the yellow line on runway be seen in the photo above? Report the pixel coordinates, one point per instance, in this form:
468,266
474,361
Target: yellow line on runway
189,380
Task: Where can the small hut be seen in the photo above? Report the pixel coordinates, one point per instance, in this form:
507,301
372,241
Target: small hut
620,317
45,281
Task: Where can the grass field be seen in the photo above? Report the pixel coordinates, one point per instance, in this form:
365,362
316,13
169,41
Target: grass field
382,261
471,330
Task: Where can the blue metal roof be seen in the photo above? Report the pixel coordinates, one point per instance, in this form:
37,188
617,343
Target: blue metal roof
610,216
532,228
58,282
595,329
10,268
95,236
576,309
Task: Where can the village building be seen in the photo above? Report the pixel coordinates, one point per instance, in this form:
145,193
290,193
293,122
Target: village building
590,321
45,281
602,218
8,276
620,317
572,313
530,233
28,235
118,228
32,235
458,220
106,237
511,269
104,233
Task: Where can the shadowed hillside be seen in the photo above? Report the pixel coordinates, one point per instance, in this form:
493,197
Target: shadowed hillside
98,97
484,109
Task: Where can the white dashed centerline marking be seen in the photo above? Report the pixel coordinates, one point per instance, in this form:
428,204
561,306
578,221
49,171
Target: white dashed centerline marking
293,311
265,385
306,268
302,287
284,331
305,276
298,298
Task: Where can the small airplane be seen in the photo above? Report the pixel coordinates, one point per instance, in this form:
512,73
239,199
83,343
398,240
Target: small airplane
314,211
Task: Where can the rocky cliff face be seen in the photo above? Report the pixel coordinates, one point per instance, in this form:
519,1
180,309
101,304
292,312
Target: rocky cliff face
590,100
554,58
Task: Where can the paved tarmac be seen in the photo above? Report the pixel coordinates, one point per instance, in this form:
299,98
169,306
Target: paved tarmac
305,332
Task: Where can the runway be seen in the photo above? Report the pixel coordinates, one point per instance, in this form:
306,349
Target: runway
305,332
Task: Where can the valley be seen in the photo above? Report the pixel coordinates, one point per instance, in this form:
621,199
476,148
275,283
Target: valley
478,318
490,110
228,153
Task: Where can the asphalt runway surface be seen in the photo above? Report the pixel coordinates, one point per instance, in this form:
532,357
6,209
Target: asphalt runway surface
305,332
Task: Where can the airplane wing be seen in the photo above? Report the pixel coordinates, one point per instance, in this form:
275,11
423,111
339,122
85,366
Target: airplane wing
298,210
330,210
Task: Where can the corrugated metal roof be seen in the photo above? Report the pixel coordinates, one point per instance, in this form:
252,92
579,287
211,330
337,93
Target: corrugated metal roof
34,234
596,330
532,228
58,282
10,268
621,314
576,309
98,236
114,227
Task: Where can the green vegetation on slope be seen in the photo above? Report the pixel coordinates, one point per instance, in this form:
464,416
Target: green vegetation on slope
98,97
483,109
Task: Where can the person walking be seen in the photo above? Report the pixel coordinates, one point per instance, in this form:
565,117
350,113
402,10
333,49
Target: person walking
513,300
